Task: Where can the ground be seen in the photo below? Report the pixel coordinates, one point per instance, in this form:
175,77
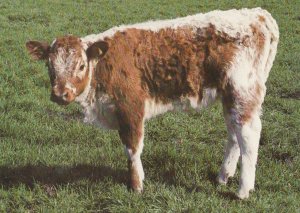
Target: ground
50,161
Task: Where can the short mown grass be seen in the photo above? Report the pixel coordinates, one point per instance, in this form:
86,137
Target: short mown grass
51,162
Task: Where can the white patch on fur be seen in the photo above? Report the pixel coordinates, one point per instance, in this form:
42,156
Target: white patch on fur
102,112
185,103
152,108
209,97
241,72
193,102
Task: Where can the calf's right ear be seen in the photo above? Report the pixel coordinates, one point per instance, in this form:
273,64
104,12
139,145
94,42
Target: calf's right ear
38,50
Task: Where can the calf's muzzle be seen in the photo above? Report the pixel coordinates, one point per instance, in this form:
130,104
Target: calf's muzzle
62,98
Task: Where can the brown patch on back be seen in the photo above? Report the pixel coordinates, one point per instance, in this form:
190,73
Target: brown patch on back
220,52
169,64
262,18
259,41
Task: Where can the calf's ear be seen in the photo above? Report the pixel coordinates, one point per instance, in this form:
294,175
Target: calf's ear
97,50
38,50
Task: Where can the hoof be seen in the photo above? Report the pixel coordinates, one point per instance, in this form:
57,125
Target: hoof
138,190
242,194
222,179
137,187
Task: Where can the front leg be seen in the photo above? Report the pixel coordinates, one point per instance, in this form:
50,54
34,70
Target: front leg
135,167
132,135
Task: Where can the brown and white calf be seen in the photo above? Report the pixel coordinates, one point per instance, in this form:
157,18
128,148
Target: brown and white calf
128,74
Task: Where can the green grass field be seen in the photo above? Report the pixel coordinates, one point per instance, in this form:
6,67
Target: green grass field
51,162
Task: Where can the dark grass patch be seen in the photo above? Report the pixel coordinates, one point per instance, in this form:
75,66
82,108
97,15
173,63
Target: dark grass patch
57,175
292,95
228,195
283,157
25,18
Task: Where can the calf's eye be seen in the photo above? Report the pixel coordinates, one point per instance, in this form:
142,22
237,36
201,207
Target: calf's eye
81,67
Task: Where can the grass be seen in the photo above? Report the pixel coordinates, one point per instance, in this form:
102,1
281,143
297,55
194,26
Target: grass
51,162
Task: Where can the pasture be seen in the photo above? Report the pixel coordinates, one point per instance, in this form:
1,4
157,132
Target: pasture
51,162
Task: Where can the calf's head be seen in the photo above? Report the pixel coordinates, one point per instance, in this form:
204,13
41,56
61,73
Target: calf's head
68,61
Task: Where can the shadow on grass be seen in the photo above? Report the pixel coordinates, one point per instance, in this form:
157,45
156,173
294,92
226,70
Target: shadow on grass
167,175
51,176
229,196
57,175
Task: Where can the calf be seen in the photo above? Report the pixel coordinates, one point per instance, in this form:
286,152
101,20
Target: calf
128,74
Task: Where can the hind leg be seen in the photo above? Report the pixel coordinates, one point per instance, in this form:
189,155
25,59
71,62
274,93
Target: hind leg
248,135
232,152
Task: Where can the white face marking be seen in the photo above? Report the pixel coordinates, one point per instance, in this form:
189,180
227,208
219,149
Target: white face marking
63,61
64,96
67,66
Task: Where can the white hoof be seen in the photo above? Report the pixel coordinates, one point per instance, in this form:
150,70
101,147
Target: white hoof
222,179
243,194
138,190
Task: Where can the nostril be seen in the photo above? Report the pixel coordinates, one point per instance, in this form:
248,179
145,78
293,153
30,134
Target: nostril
66,95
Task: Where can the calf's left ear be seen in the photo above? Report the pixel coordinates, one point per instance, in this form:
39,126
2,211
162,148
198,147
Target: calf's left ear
38,50
97,50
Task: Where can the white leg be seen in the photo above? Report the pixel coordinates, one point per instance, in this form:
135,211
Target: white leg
135,165
232,153
248,136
